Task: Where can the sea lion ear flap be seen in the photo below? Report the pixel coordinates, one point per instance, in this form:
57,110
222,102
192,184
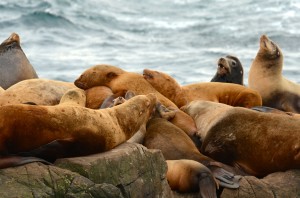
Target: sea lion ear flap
129,94
111,75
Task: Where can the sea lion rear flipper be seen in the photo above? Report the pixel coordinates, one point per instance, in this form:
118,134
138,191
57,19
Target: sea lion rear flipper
12,161
207,185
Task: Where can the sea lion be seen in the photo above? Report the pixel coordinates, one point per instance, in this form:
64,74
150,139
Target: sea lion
14,65
90,131
119,80
230,70
258,143
265,76
96,95
227,93
187,176
175,144
38,91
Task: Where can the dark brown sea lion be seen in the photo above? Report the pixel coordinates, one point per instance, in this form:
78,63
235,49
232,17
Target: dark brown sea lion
119,80
230,70
90,130
265,76
258,143
14,65
227,93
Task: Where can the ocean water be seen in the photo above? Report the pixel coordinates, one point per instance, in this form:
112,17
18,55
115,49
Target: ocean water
184,38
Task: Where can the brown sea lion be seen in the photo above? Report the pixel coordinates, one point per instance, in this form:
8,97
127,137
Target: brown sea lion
119,80
227,93
258,143
14,65
265,76
96,95
38,91
89,130
175,144
230,70
187,176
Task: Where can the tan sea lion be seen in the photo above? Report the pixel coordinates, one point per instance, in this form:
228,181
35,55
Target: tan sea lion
14,65
96,95
230,70
119,80
258,143
266,77
88,130
37,91
227,93
187,176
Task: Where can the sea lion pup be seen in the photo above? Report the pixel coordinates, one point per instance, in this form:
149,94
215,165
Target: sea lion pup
259,143
14,65
265,76
230,70
190,176
227,93
119,80
90,130
38,91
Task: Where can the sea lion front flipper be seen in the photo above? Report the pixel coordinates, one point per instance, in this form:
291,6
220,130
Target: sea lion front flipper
225,178
207,185
12,161
52,150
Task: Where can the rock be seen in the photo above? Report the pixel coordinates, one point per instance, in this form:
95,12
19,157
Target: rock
135,170
39,180
279,184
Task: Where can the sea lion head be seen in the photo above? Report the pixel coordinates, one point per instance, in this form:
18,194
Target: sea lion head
11,42
229,70
99,75
268,49
162,82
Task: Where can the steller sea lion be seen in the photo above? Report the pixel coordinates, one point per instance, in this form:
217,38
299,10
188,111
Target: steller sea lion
38,91
95,96
187,176
258,143
230,70
14,65
119,80
227,93
265,76
89,131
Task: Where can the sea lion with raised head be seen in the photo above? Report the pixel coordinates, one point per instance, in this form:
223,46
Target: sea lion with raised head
227,93
265,76
258,143
14,65
119,80
90,131
229,70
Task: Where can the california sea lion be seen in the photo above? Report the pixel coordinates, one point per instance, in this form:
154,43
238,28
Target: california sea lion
119,80
90,130
14,65
187,176
38,91
227,93
265,76
259,143
230,70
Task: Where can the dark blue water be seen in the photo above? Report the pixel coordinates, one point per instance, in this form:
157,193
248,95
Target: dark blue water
184,38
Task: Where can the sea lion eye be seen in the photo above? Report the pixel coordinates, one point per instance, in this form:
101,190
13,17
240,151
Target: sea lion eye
233,63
